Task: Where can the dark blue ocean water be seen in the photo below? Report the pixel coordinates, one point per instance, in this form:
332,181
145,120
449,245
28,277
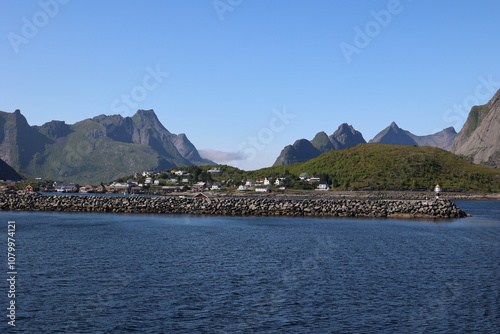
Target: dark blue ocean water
114,273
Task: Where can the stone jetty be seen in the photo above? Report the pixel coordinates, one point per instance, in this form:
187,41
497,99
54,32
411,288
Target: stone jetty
229,206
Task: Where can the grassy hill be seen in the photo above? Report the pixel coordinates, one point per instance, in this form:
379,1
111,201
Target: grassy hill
383,166
371,167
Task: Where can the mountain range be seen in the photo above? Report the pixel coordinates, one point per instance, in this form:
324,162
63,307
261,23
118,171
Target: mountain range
478,141
95,149
105,148
346,136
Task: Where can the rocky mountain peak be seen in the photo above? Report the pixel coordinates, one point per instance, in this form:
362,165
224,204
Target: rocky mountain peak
54,129
479,138
346,136
303,149
450,129
97,149
393,134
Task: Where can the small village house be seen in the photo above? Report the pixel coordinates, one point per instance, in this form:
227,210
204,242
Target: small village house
216,186
215,170
304,176
243,187
267,181
262,189
323,186
250,182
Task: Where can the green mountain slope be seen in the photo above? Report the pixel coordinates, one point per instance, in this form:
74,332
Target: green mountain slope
384,166
93,150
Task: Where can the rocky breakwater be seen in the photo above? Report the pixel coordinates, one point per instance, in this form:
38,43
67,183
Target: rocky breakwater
234,206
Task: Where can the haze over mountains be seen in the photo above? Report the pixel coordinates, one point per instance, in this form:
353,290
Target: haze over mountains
93,150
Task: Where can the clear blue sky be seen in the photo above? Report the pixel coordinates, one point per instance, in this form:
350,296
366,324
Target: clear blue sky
244,78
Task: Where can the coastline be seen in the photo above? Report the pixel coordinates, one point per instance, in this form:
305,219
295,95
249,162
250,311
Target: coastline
373,195
236,206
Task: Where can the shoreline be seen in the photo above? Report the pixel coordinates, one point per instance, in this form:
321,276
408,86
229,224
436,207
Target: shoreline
236,206
372,195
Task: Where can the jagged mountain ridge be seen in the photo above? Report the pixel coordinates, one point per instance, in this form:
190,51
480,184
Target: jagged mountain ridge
95,149
303,150
346,136
479,139
393,134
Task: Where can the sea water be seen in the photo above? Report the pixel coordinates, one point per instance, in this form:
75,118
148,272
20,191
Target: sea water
152,273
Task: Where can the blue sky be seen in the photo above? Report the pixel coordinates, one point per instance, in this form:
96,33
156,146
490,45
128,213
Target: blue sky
244,78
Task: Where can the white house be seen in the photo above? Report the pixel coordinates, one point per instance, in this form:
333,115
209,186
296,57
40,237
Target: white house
243,188
262,189
267,181
180,172
173,180
323,186
303,176
314,179
250,183
214,170
216,186
279,182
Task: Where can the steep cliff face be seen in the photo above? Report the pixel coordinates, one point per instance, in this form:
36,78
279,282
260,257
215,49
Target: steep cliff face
479,139
302,150
188,150
93,150
18,141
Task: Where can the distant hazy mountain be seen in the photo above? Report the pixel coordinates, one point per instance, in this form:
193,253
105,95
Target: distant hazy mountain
442,139
479,138
302,150
93,150
393,134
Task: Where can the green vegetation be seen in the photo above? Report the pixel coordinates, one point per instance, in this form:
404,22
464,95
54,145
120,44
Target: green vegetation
382,166
371,167
476,115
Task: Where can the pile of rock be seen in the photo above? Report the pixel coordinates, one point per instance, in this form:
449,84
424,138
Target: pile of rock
234,206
